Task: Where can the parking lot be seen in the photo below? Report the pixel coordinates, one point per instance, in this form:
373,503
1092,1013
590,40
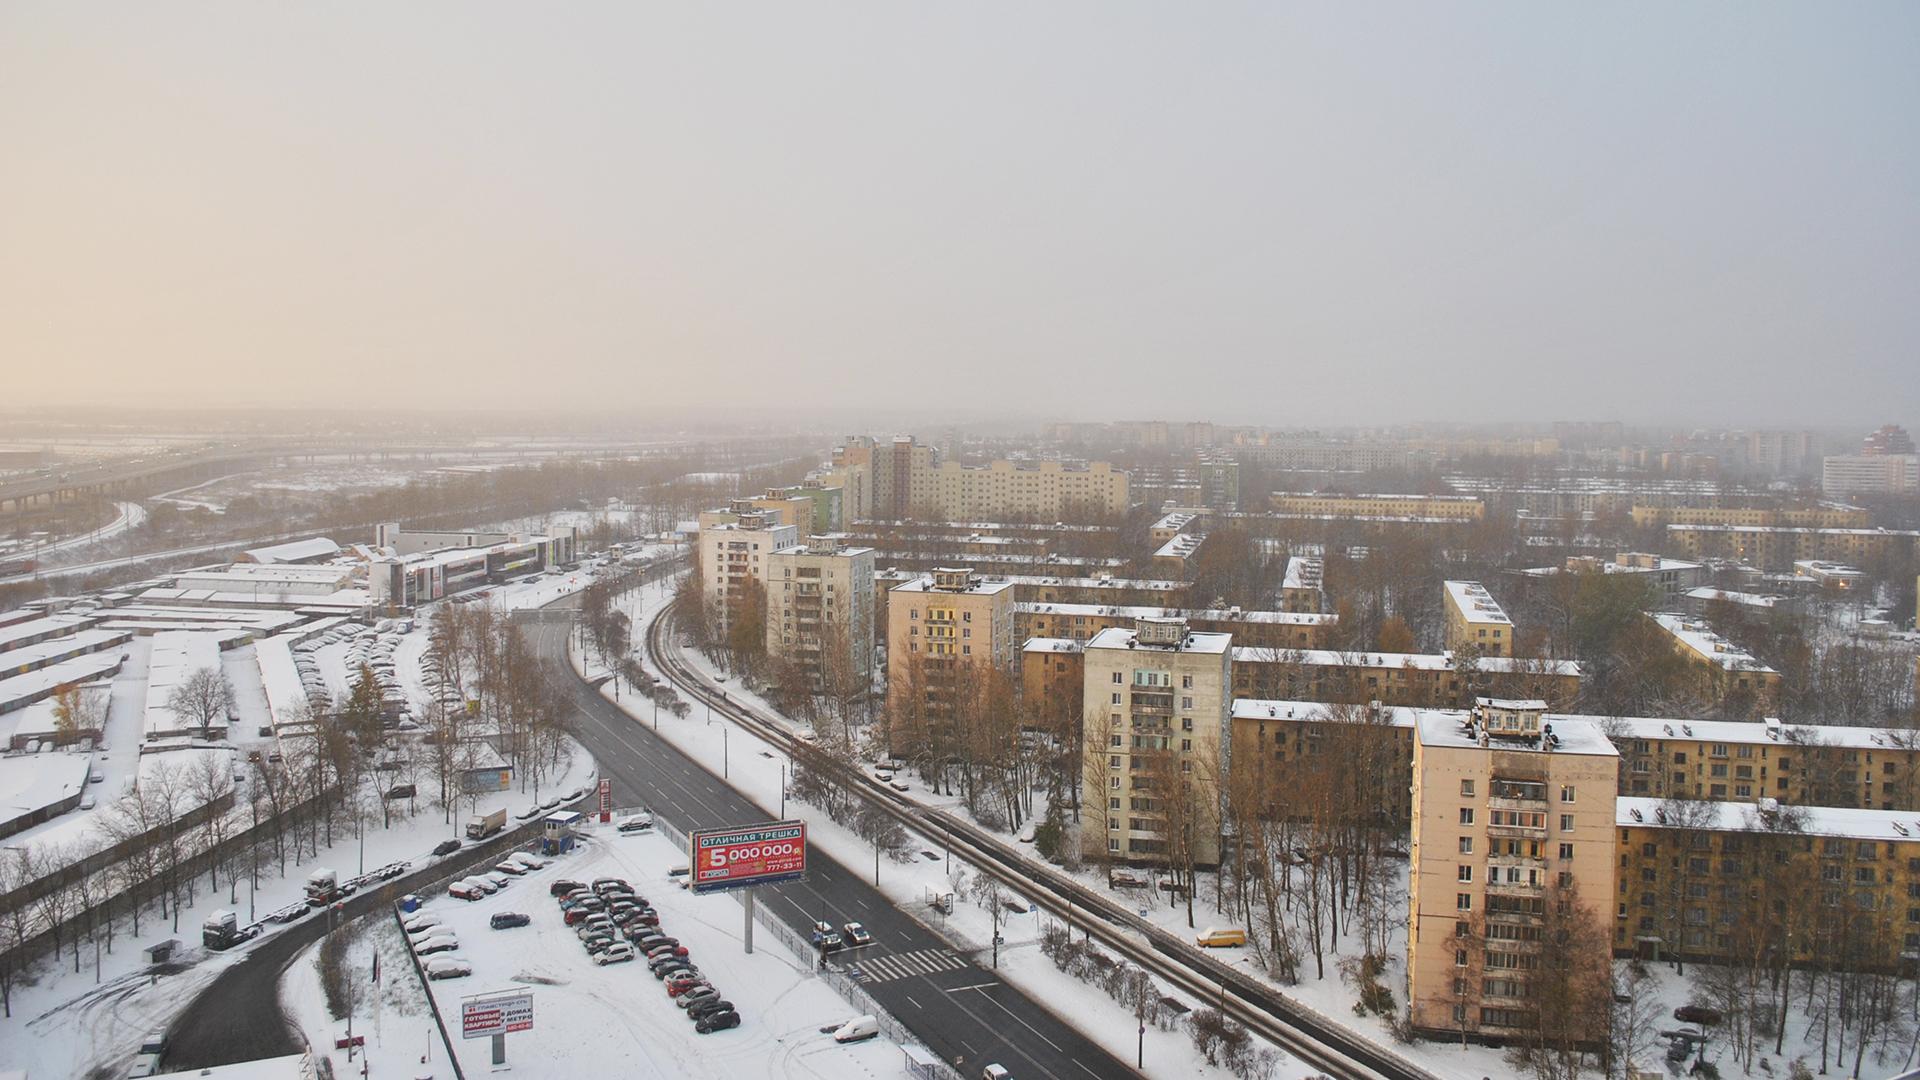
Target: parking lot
593,1020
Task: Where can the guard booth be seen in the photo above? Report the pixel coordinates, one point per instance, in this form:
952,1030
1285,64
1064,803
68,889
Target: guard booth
558,831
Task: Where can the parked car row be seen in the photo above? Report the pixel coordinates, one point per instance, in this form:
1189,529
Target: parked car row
435,944
617,925
374,650
475,886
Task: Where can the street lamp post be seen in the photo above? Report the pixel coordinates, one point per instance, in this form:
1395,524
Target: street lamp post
724,732
783,790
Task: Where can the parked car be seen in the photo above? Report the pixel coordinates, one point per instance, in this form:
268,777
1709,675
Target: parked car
857,935
858,1029
436,944
531,862
447,967
717,1021
659,951
511,869
898,785
601,885
618,952
419,921
506,920
638,823
483,885
680,984
596,944
711,1005
461,890
700,992
995,1072
563,887
667,965
500,880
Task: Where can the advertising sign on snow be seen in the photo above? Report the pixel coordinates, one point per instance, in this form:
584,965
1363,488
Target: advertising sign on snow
749,855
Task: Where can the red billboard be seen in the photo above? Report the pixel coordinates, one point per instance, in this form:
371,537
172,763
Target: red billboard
748,855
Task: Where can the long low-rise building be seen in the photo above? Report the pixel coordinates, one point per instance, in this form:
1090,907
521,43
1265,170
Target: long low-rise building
1424,680
1686,879
20,691
1729,673
1266,629
1449,507
25,632
53,651
1776,549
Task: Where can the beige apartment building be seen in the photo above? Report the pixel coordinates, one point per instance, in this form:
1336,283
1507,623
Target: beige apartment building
1775,548
937,622
1300,589
1507,816
1006,490
1824,516
1155,742
1726,670
820,603
1452,507
734,550
1475,618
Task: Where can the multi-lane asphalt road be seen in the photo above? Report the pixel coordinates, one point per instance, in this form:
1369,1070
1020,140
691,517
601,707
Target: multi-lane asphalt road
959,1010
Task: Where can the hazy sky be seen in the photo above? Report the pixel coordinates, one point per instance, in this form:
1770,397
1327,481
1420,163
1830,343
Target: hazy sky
1290,214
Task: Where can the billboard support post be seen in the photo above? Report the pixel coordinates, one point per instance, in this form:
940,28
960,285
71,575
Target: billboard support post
746,899
499,1049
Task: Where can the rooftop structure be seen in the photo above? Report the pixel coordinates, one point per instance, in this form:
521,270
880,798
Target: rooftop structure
313,549
1475,618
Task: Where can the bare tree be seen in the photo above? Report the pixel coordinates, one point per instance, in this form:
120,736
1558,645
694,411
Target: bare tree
203,700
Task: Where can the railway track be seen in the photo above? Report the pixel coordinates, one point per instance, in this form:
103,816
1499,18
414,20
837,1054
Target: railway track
1307,1035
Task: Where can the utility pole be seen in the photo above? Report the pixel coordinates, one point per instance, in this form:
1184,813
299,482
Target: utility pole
724,741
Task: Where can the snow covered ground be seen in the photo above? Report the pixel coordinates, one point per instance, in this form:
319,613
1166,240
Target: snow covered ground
591,1020
65,1023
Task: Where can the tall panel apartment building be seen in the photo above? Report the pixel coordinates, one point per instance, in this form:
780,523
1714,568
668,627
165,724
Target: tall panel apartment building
935,624
734,552
1511,813
1156,742
820,609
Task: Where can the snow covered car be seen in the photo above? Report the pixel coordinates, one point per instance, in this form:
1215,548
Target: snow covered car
437,943
638,823
617,953
461,890
447,967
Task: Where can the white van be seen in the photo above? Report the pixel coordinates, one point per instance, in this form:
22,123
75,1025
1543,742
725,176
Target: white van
995,1072
858,1029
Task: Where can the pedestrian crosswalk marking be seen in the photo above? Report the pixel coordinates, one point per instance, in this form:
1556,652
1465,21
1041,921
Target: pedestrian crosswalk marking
907,965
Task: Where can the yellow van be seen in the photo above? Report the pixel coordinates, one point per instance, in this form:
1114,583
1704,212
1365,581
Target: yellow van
1212,938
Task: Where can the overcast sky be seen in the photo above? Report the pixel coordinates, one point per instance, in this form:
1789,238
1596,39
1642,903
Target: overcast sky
1290,214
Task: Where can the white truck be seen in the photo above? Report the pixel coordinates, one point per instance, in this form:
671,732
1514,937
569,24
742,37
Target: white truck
323,888
481,826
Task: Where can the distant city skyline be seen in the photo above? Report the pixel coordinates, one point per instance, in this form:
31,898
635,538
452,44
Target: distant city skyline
1244,213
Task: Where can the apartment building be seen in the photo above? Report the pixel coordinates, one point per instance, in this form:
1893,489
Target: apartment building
1475,618
1173,523
1686,881
1271,739
1300,588
788,506
1776,548
1822,516
1040,491
1052,680
734,550
820,603
1266,629
1511,812
939,621
1726,670
1870,474
1425,507
1179,556
1419,680
1838,577
1156,742
1673,578
1740,761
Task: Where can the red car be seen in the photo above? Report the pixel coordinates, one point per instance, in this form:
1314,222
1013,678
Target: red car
680,984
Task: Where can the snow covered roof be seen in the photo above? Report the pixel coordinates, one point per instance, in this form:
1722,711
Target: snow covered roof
1050,644
1285,618
1302,711
1303,572
1745,599
309,550
28,631
1124,637
1767,731
31,783
1635,811
1504,665
1475,604
1700,640
1446,728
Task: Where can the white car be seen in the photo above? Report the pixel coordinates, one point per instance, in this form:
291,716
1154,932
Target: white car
435,943
529,862
421,924
636,823
447,967
499,880
482,884
618,952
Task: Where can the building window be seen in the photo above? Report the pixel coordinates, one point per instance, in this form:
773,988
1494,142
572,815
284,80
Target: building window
1460,956
1113,740
1186,682
1186,744
1466,815
1466,845
1118,678
1464,873
1116,699
1566,851
1463,901
1566,822
1186,703
1466,789
1566,792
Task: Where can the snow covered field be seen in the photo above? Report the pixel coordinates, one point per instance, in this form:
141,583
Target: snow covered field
596,1021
